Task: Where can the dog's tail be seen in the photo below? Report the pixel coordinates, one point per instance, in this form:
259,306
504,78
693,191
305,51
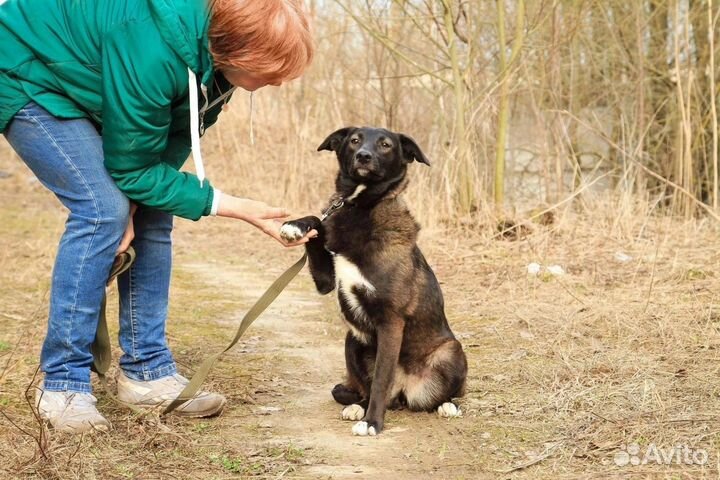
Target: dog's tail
345,395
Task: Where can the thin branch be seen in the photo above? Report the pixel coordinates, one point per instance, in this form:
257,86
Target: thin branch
387,43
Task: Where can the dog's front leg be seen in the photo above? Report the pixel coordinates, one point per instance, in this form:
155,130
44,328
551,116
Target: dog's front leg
389,341
322,268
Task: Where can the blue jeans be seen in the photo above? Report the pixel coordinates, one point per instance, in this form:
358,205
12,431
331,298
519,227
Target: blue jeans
67,157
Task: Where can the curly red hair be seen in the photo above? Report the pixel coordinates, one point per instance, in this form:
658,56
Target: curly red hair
268,38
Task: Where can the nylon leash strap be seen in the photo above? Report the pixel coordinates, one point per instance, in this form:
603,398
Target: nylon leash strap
100,348
101,351
259,307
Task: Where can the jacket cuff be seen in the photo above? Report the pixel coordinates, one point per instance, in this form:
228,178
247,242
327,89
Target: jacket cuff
209,202
215,202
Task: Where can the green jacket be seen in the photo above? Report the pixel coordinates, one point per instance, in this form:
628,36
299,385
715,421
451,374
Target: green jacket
124,64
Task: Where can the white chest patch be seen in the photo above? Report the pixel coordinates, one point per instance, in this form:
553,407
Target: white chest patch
358,190
347,276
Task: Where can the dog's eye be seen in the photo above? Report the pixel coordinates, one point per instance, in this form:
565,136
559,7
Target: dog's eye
354,141
385,145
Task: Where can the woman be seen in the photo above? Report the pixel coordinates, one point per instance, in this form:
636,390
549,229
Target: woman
104,101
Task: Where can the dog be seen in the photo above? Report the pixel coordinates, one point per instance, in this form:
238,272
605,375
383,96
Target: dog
399,349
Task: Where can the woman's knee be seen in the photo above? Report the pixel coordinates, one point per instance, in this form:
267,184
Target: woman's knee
114,213
107,214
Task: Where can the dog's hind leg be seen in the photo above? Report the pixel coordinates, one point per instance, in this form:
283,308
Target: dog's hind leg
345,395
355,405
449,410
442,380
355,411
398,403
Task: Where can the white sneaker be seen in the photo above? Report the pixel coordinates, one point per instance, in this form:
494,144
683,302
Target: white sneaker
159,393
70,412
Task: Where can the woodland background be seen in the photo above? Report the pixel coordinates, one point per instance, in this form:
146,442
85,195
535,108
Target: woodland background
522,103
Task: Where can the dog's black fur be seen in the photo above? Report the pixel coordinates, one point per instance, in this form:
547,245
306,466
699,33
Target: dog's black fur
399,350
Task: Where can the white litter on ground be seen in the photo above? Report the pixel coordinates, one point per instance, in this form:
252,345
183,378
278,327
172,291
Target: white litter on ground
536,269
556,270
622,257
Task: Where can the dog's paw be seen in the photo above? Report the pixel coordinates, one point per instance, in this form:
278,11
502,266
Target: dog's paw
363,429
292,232
449,410
353,412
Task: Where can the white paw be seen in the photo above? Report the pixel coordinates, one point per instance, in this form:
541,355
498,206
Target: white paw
449,410
353,412
361,429
290,233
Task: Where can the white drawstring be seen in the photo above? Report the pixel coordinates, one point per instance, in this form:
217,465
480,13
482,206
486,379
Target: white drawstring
252,110
195,127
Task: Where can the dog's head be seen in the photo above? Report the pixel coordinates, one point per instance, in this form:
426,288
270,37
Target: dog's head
372,155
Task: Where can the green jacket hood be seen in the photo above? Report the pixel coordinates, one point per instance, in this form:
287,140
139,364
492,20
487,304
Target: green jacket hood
186,32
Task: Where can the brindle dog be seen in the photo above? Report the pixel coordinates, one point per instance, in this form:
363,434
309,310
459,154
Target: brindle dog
399,350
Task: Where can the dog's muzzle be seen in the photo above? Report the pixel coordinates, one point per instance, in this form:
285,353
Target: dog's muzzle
364,163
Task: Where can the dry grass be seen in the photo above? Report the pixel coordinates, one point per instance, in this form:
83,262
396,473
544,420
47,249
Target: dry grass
610,354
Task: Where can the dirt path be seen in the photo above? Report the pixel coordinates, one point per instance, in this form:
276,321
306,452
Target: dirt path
302,332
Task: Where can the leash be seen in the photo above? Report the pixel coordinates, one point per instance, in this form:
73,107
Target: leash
258,308
260,305
101,346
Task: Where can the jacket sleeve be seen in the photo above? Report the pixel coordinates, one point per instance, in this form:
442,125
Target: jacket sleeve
141,78
177,151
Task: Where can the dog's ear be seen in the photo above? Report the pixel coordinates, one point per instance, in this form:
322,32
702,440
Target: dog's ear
411,151
335,139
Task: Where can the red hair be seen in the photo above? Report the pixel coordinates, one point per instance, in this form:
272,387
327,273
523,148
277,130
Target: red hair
268,38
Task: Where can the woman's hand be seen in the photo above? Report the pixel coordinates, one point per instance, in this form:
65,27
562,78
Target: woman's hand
259,214
129,234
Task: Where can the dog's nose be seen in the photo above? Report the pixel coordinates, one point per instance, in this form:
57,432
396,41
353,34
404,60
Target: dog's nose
363,157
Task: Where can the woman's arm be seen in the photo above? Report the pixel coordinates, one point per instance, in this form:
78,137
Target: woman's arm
259,214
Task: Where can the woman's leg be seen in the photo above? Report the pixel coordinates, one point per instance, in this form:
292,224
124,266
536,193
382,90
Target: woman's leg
67,157
144,298
148,376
